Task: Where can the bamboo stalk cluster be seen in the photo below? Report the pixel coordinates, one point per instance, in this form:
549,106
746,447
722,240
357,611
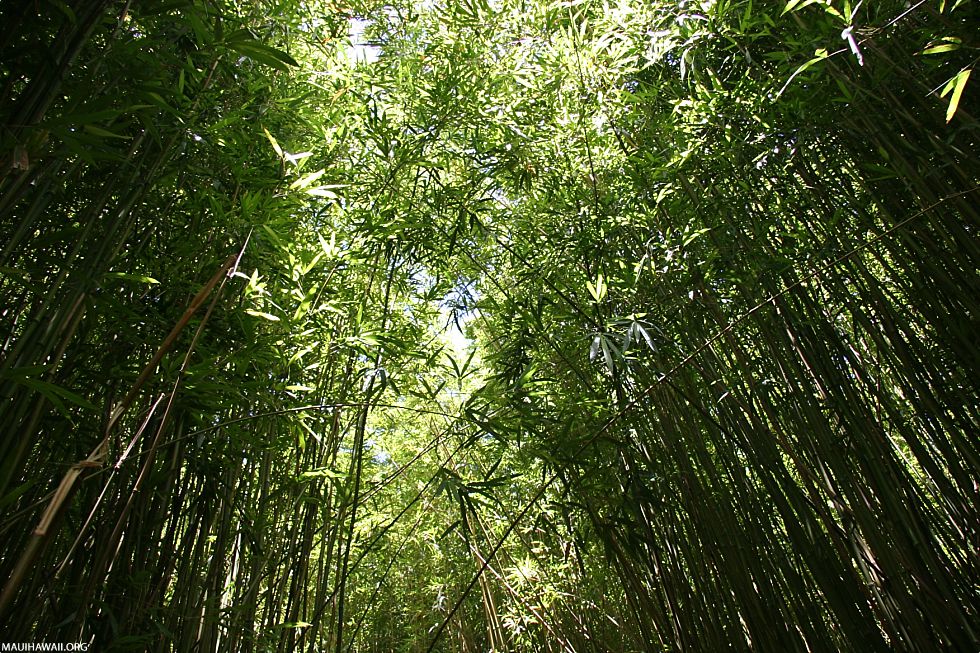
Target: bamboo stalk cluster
719,264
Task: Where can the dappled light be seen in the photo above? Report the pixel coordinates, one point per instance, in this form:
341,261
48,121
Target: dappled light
489,325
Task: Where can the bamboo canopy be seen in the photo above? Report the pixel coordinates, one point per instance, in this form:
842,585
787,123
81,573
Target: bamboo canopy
510,325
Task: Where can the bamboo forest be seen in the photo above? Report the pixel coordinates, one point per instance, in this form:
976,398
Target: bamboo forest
490,326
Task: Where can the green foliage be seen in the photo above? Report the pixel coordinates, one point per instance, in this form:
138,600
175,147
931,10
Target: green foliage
592,325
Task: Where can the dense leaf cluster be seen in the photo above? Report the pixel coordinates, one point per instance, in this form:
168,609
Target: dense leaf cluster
597,325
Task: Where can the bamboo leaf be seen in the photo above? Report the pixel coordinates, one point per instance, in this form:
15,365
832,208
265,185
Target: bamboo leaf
609,354
131,277
330,250
263,54
308,179
273,141
597,289
947,44
54,393
956,85
104,133
264,316
820,55
796,5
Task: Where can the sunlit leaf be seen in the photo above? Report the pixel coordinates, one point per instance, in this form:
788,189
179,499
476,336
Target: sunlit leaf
264,316
273,141
131,277
956,86
307,179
